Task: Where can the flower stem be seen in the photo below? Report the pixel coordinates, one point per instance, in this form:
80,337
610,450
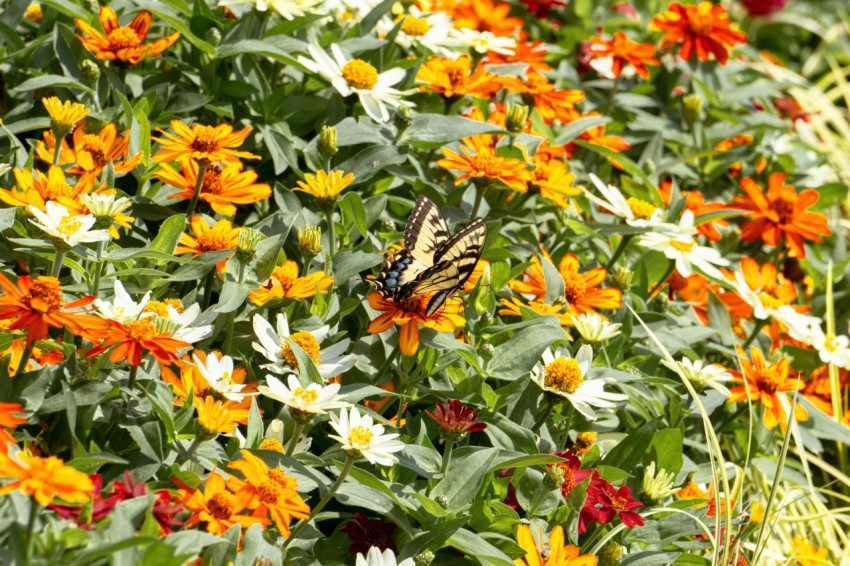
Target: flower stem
543,416
329,215
193,448
209,280
756,331
380,375
231,316
479,198
621,247
447,456
25,359
296,432
663,279
34,508
57,150
95,286
199,182
131,383
57,262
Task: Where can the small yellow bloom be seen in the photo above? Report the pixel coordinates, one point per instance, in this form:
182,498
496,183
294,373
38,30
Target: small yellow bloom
325,187
217,417
63,115
44,478
34,13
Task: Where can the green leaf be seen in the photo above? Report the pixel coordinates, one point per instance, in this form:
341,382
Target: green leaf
48,82
7,218
516,357
465,476
258,47
447,342
667,449
627,164
554,282
256,431
475,545
349,264
574,129
169,234
351,206
232,296
629,452
439,128
370,161
432,538
90,463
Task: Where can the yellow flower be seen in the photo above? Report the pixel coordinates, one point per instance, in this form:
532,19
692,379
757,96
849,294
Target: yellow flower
221,236
325,187
558,555
210,143
285,282
44,478
34,13
805,553
64,115
216,417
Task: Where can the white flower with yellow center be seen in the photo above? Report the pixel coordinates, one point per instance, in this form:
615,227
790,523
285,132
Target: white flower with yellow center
104,205
428,30
483,41
218,373
273,439
377,558
677,242
701,375
355,76
634,211
562,375
122,308
832,349
288,9
330,361
191,325
593,328
360,436
73,229
314,398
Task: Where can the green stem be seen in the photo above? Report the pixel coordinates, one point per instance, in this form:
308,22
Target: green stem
329,215
57,150
199,182
95,286
296,432
386,366
209,280
25,359
349,462
34,508
543,415
621,247
131,383
231,316
756,331
447,456
479,198
190,453
57,263
663,280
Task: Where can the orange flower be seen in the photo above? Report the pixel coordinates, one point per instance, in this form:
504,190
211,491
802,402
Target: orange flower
138,335
773,289
557,553
693,290
703,29
514,307
221,236
483,165
285,282
9,421
122,43
484,15
37,304
44,478
38,357
224,184
818,387
90,152
272,492
765,383
554,180
456,77
734,141
780,212
596,135
202,143
695,202
35,188
477,272
623,50
216,506
409,314
531,54
218,417
551,104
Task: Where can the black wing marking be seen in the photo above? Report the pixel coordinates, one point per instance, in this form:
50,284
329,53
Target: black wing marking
426,231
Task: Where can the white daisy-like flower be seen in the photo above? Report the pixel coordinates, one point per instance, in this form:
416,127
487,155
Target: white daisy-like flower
355,76
483,41
102,205
288,9
191,325
330,361
122,308
832,349
702,375
677,242
314,399
431,31
377,558
275,432
218,373
593,328
634,211
60,223
561,374
359,433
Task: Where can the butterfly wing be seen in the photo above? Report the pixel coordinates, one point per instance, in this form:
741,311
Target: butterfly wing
426,231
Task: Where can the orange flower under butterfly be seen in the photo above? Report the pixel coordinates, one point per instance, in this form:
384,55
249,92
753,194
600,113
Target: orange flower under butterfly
224,186
622,50
221,236
483,165
457,77
764,383
216,506
551,103
702,29
209,143
122,43
409,314
780,212
136,337
285,282
44,479
35,188
37,304
90,152
695,202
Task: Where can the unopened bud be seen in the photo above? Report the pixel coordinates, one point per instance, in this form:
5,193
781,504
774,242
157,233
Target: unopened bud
487,350
310,242
388,225
516,118
34,13
90,70
92,6
692,107
213,36
611,554
424,558
403,118
659,303
623,278
246,245
554,478
442,501
327,142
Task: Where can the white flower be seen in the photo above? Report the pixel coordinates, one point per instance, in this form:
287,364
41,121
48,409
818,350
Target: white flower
288,9
562,375
275,432
123,308
329,361
702,375
594,328
832,349
634,211
431,31
218,373
483,41
677,243
73,229
658,486
355,76
4,168
363,435
376,558
102,205
191,325
314,398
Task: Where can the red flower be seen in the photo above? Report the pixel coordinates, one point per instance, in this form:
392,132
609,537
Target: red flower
164,511
618,502
573,475
540,8
100,507
456,418
764,7
365,533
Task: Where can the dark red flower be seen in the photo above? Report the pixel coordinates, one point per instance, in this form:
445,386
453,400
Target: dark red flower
764,7
129,490
86,516
164,512
573,475
790,108
540,8
618,502
456,418
365,533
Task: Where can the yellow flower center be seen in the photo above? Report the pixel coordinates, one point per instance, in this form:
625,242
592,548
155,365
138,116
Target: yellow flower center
142,329
360,74
123,38
205,139
574,287
584,442
69,225
563,374
700,24
306,395
278,476
214,240
45,294
360,437
272,444
416,27
769,301
158,308
212,179
306,342
536,82
683,246
486,163
221,505
269,492
640,208
95,146
830,344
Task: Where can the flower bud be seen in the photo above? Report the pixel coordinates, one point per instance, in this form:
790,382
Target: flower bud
92,6
623,278
424,558
554,478
213,36
442,501
657,485
403,118
692,107
34,13
90,70
516,118
246,245
611,554
487,350
310,242
387,225
327,145
659,303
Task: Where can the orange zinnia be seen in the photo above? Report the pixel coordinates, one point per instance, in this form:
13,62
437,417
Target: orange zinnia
514,306
703,29
208,143
765,383
285,282
44,479
551,103
456,77
224,184
532,54
10,421
216,506
38,357
554,180
621,49
90,152
483,165
773,289
780,212
134,338
35,188
221,236
484,15
409,314
218,417
695,202
122,43
693,290
596,135
37,304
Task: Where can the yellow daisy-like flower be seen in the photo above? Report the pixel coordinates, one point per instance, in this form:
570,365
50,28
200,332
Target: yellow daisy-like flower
44,478
34,188
285,282
221,236
203,143
64,115
325,187
217,417
558,553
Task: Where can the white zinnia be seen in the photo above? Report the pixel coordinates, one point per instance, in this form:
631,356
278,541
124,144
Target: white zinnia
428,30
360,433
832,349
288,9
562,375
103,205
122,308
355,76
634,211
678,244
73,229
313,398
377,558
218,373
191,325
483,41
702,375
594,328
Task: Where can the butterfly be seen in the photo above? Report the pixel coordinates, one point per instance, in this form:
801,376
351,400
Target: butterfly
434,260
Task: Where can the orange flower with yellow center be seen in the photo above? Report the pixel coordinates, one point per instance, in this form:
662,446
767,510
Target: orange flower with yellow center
9,420
409,314
323,186
44,479
272,491
554,180
456,77
135,337
215,506
772,288
556,554
514,307
208,143
122,43
552,104
34,188
693,290
285,282
218,417
703,29
482,165
695,202
780,212
624,50
90,152
765,383
221,236
483,15
36,304
532,54
224,184
818,387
